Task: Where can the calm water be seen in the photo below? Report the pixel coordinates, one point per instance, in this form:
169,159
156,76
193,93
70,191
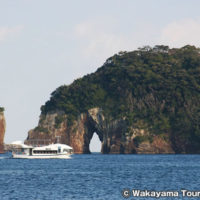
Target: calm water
97,176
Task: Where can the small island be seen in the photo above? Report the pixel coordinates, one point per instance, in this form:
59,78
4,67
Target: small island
145,102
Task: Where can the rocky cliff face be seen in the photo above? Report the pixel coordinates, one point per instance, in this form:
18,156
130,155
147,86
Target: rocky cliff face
112,133
2,131
144,101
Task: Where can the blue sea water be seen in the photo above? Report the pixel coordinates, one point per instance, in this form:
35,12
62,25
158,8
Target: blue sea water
97,176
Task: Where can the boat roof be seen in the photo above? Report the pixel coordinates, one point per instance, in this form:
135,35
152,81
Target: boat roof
53,147
18,142
21,145
26,146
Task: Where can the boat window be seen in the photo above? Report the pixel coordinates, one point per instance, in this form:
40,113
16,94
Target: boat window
68,150
44,152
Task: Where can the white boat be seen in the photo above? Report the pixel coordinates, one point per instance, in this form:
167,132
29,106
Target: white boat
61,151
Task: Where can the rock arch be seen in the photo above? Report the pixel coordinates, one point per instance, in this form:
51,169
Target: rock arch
110,134
113,134
78,135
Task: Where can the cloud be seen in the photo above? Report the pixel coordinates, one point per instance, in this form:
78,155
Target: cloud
102,38
7,32
98,39
180,33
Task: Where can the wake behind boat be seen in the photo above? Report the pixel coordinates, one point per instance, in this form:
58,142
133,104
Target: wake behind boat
61,151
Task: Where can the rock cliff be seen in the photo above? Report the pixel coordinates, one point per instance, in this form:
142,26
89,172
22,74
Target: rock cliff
113,134
2,130
144,101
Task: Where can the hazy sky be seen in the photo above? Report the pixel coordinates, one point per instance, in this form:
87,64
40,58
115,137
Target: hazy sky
48,43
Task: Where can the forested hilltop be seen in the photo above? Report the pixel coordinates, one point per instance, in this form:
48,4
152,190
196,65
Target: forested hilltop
154,89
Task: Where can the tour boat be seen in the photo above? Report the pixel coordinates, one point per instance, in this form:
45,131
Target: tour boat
61,151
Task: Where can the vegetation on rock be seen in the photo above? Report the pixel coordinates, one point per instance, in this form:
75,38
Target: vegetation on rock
2,109
155,88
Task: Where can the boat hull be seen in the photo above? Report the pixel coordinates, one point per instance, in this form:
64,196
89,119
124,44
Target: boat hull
61,156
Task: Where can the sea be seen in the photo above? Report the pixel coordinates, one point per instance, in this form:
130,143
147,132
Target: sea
101,177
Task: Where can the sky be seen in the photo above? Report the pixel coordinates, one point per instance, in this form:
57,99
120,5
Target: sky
45,44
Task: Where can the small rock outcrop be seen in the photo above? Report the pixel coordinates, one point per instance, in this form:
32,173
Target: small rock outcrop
2,130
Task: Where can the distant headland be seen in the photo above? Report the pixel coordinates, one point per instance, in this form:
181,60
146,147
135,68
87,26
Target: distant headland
144,101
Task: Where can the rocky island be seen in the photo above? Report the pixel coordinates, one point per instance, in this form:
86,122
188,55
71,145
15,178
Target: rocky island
2,129
144,101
